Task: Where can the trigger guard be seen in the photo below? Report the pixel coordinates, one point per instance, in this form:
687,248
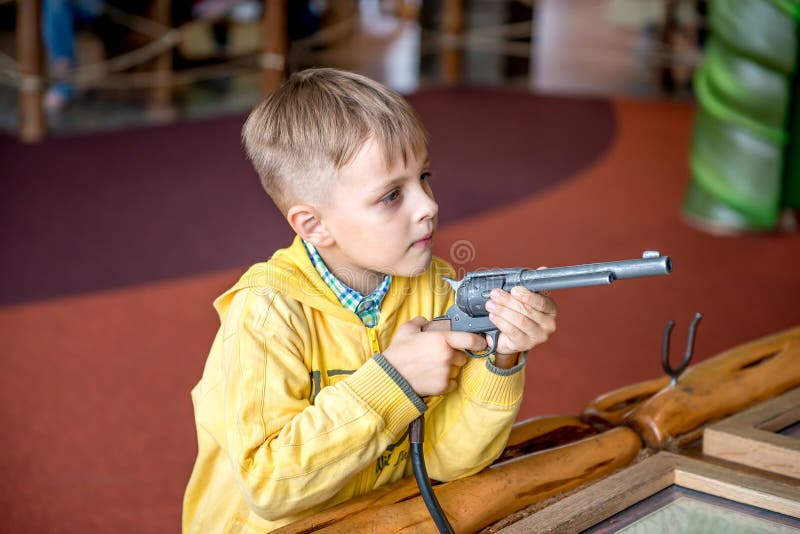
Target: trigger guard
492,335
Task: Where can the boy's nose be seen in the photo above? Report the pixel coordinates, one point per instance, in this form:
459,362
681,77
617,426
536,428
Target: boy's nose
426,207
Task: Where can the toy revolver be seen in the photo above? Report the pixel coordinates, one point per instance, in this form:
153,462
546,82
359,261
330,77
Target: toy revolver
469,314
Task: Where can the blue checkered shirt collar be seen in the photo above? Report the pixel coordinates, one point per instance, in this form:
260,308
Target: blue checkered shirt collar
368,308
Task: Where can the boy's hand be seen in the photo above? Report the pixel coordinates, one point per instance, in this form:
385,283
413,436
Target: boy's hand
525,319
430,361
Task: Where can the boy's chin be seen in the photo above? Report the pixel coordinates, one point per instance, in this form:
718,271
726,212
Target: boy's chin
408,266
418,267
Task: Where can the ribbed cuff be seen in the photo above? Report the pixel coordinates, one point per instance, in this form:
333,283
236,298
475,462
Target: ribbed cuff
401,382
483,382
379,384
511,370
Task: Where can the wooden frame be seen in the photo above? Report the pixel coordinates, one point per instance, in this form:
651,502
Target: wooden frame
751,437
622,490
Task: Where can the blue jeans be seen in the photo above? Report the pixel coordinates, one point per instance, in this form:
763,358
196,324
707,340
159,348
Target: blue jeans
58,32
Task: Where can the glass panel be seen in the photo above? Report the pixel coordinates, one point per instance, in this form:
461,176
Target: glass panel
677,509
793,431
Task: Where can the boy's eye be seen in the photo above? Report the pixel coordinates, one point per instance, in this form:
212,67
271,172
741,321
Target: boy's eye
391,197
425,176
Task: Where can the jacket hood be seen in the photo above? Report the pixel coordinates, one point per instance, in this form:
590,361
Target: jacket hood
289,271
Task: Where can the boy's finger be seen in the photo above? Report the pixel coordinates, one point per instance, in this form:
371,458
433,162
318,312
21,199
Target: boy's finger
465,340
507,327
531,324
506,298
414,325
459,359
451,386
503,300
526,297
433,326
539,302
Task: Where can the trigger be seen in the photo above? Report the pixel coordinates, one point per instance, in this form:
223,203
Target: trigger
491,340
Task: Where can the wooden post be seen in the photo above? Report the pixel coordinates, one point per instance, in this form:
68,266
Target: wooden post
275,37
452,28
161,95
29,56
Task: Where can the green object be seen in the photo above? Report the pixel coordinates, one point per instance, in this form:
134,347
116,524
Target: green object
745,154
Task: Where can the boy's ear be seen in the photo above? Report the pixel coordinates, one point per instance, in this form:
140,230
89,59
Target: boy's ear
306,222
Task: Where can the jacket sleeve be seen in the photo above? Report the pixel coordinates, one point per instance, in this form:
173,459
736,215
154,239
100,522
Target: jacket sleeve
467,429
287,454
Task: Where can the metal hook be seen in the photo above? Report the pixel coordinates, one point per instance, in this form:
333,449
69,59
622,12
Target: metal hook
676,372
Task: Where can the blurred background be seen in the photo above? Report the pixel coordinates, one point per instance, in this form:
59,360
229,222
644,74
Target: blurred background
139,62
562,132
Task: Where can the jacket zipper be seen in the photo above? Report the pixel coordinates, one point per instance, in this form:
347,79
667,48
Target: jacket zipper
373,340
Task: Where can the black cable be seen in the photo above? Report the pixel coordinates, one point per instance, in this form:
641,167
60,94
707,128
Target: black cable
416,437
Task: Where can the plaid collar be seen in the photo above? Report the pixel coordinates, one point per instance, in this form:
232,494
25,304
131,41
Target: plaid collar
368,308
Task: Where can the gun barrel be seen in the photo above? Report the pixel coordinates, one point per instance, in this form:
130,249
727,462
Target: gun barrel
619,270
568,281
474,289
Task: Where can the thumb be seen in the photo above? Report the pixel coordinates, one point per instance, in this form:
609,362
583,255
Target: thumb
414,325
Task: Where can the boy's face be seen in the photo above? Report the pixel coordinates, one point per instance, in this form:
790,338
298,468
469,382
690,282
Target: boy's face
381,220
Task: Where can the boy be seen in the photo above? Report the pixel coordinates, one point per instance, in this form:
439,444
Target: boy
322,359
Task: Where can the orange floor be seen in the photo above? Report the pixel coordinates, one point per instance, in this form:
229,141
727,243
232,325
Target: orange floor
97,421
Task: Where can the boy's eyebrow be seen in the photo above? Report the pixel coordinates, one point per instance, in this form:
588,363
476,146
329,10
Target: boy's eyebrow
398,179
389,184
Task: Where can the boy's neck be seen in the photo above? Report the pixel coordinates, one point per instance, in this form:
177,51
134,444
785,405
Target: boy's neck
362,280
365,284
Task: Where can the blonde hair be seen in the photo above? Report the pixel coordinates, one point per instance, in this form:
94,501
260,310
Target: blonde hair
303,133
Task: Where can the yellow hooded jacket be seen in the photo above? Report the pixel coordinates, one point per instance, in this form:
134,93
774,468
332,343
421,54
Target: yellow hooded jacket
297,410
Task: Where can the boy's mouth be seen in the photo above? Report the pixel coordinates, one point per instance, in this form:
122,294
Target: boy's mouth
424,242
